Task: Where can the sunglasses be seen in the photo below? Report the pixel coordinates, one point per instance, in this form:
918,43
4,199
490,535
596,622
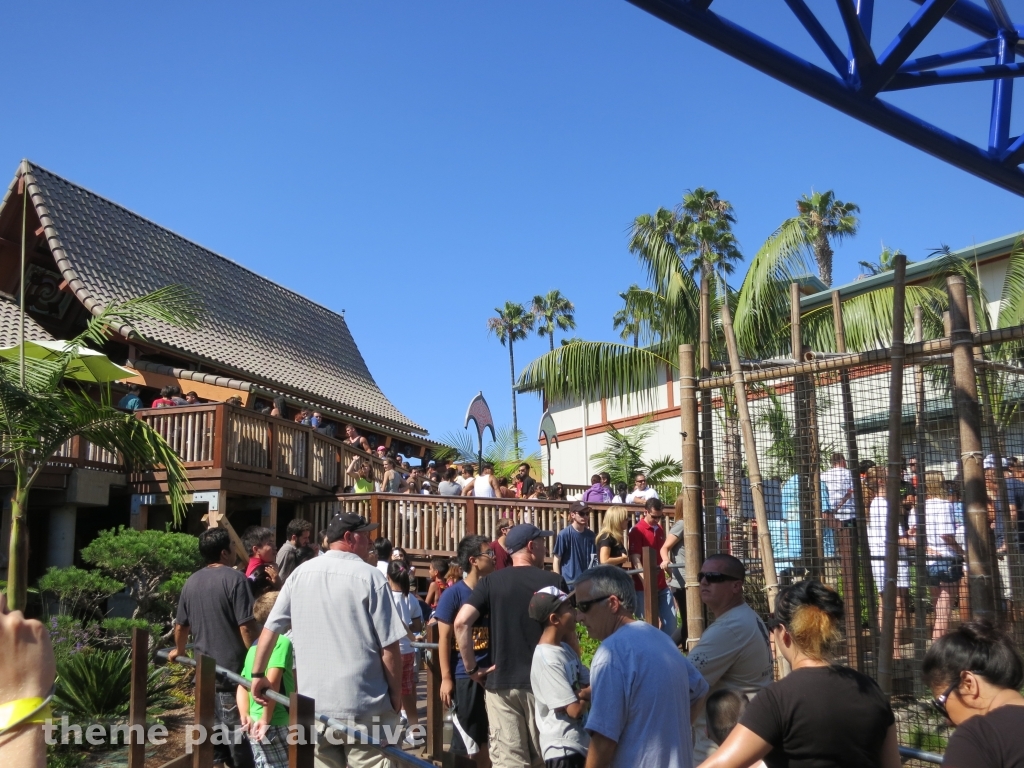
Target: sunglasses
489,553
713,577
583,606
939,702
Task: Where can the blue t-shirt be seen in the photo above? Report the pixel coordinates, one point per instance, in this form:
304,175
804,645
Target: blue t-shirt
642,689
574,550
452,599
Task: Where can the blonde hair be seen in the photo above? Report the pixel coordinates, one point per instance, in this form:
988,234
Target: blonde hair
811,612
935,484
263,606
875,481
614,521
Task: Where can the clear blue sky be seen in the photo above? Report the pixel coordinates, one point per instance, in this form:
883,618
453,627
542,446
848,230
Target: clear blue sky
417,164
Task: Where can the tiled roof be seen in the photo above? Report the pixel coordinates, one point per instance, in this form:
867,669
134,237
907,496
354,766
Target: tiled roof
9,318
252,326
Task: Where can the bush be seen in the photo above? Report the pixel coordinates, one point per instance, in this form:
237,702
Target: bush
588,645
97,685
71,636
119,631
77,590
150,563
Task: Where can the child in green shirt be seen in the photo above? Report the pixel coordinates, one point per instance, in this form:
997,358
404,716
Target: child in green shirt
267,727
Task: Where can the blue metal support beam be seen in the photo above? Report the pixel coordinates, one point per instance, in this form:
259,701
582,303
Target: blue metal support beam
862,58
983,50
972,17
998,72
907,40
745,46
817,32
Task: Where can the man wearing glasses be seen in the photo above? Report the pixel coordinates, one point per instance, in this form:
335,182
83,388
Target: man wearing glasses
641,492
643,691
650,532
733,653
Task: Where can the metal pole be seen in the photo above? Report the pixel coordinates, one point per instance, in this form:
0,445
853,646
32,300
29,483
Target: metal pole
980,542
764,538
691,495
893,478
852,541
921,535
21,314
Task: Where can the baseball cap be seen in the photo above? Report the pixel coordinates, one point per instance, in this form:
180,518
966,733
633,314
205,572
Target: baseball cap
346,522
523,534
578,508
546,601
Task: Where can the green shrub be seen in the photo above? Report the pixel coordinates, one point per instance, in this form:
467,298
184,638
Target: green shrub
71,636
150,563
97,685
77,590
588,645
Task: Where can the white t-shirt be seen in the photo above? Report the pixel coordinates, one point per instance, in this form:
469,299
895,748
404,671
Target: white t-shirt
642,691
839,482
639,497
939,521
409,609
556,676
733,653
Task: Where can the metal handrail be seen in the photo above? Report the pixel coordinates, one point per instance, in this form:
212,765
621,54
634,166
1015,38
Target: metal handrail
391,751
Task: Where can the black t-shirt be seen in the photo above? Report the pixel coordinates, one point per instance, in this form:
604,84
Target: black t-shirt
821,717
506,595
604,540
214,603
995,740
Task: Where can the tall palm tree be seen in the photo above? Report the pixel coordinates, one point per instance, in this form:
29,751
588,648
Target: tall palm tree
41,415
512,323
886,262
553,311
825,220
641,315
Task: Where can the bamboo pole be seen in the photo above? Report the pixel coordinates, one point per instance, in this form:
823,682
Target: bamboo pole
853,541
893,478
691,496
980,543
764,538
921,535
711,536
808,483
873,356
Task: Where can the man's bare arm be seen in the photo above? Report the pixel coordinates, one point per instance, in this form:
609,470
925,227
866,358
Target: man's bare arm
249,633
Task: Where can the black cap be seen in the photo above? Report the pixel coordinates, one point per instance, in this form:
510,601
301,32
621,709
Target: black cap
546,601
523,534
578,508
346,522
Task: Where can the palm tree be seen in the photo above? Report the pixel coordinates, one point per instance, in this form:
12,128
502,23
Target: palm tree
42,414
623,457
460,447
627,318
822,219
886,262
553,311
513,323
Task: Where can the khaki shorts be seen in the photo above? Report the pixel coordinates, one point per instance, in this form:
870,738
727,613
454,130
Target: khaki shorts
514,739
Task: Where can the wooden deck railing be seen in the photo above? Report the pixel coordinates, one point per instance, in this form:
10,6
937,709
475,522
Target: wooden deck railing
222,436
80,453
436,523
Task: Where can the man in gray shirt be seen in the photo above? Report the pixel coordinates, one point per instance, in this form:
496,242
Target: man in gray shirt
345,630
298,533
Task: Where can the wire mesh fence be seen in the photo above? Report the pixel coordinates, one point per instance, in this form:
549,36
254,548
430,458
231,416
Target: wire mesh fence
822,446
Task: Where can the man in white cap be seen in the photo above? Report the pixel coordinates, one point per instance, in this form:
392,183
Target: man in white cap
505,595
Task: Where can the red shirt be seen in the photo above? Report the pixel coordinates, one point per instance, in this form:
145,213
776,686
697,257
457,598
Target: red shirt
643,535
502,559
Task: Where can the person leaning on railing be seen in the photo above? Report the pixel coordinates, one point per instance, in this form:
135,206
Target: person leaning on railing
611,539
820,714
975,673
27,673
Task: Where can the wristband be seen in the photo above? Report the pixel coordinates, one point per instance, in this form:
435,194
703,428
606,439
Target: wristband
254,675
473,671
29,711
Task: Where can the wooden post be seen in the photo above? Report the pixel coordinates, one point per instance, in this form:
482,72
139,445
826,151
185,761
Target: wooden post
852,540
691,496
137,707
921,533
206,690
435,710
268,514
980,542
771,579
301,718
894,477
471,526
649,562
711,535
808,486
220,441
375,509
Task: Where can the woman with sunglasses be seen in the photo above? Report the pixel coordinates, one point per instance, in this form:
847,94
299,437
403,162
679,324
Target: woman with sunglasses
821,714
976,673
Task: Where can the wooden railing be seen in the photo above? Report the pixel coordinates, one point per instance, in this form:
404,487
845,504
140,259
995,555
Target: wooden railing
427,524
80,453
221,436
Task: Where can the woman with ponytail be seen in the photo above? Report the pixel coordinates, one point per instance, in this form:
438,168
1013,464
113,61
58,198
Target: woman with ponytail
821,714
976,674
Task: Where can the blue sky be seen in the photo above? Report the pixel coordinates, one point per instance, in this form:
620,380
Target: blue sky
418,164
